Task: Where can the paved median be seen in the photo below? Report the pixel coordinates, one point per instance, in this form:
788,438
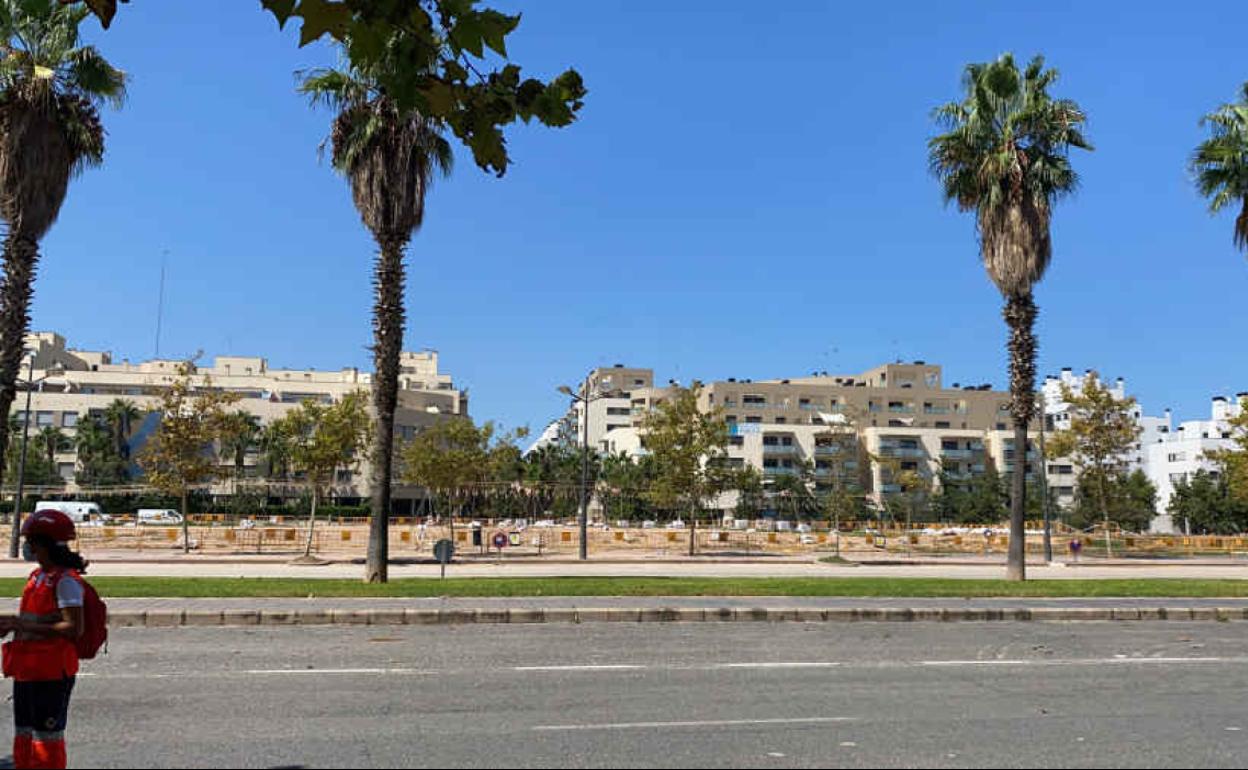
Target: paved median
391,616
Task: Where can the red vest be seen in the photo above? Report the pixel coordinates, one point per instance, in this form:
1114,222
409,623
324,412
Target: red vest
29,659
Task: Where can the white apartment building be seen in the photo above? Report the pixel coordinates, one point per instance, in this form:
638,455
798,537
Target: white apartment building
1168,456
72,384
1178,454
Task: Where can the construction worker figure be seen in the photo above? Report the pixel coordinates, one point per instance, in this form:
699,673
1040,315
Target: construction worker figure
42,658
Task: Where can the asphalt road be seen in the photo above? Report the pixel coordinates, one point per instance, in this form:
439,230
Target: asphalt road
686,695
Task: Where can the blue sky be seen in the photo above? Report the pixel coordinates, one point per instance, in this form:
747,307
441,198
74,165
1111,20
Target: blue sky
746,194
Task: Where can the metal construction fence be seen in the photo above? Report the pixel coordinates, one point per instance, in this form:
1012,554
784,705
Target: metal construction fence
410,537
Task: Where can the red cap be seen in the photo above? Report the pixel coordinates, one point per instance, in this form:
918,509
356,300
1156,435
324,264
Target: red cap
51,524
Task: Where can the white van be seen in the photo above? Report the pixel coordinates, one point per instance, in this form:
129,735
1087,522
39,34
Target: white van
88,514
158,516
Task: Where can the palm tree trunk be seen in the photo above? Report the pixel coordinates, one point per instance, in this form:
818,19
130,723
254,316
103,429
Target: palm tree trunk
1020,316
388,317
21,255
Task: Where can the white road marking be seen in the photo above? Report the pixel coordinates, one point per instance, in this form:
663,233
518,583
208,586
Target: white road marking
1074,661
603,667
707,723
795,664
280,671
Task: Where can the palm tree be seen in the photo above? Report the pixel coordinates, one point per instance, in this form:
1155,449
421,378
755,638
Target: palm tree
53,440
1220,163
1005,156
50,130
275,443
94,443
389,157
240,433
121,415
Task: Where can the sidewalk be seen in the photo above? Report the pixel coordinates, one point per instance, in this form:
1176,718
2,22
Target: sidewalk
169,565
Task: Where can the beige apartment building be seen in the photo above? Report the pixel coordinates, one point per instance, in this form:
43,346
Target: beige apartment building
71,385
901,414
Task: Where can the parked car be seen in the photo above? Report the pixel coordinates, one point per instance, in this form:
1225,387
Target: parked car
82,513
157,516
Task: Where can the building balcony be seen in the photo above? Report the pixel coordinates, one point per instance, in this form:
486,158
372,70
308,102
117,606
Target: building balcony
956,454
901,409
890,488
832,449
779,471
778,449
887,451
936,410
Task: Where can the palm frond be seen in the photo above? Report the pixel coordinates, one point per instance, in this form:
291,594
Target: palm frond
1004,154
1219,165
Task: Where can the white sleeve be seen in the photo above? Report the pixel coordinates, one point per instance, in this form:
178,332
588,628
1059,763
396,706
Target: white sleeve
68,593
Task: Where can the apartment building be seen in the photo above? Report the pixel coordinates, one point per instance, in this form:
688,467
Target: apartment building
1176,455
900,413
71,385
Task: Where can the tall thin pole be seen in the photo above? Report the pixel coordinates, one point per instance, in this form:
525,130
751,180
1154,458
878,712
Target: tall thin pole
585,471
21,466
1044,489
160,300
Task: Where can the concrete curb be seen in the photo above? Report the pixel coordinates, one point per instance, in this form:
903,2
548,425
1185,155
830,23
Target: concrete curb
427,617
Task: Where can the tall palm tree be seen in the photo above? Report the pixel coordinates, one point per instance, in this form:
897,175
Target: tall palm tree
50,130
1220,163
1005,156
121,415
389,157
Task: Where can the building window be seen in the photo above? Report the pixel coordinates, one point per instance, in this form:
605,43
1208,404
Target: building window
69,420
942,423
948,444
1178,478
781,421
753,418
1175,457
909,466
736,440
786,464
1000,426
43,419
771,462
786,441
754,399
771,440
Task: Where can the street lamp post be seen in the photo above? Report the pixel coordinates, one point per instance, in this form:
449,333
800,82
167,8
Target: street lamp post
585,400
1044,489
21,465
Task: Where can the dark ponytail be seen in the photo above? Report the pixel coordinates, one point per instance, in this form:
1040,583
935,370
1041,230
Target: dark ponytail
66,559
